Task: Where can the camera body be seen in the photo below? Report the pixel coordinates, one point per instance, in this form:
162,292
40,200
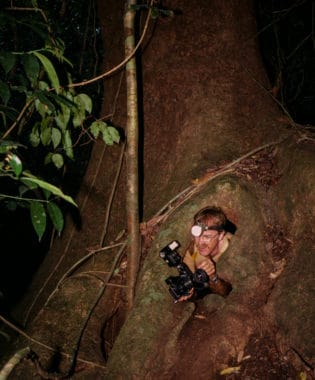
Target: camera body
182,284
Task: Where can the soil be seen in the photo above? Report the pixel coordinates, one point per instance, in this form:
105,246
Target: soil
261,360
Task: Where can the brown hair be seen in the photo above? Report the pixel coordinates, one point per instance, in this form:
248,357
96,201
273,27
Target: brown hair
211,216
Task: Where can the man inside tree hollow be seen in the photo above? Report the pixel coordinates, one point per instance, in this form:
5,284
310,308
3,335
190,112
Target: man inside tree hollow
209,241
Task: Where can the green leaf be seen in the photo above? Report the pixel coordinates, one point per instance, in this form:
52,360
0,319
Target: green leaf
56,47
15,163
55,137
38,217
31,67
33,181
7,145
107,138
61,99
50,70
83,102
4,118
34,136
9,112
43,86
95,128
57,159
21,89
22,190
110,134
62,118
45,136
29,184
47,159
114,134
5,92
43,99
69,95
7,61
67,144
47,194
78,118
56,216
41,108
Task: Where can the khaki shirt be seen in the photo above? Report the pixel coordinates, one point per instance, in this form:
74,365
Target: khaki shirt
220,286
193,260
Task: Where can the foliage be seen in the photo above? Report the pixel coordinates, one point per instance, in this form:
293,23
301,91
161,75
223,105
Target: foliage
40,113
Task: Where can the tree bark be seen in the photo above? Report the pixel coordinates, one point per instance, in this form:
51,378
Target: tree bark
132,166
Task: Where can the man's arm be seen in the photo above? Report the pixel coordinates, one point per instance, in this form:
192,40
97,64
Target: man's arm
217,284
220,287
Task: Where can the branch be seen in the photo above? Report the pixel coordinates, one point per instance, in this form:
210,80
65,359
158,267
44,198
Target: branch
13,362
111,196
187,193
27,9
132,165
123,63
26,105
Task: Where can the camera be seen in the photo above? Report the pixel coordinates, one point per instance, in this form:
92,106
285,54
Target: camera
182,284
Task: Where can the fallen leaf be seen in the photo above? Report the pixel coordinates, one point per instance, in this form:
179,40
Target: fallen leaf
228,371
199,316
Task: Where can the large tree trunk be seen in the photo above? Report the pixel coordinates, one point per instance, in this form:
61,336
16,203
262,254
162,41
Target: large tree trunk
205,105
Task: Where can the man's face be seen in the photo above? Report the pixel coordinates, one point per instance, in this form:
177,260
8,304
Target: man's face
207,243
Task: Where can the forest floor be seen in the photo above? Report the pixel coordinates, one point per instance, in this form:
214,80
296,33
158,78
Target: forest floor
261,360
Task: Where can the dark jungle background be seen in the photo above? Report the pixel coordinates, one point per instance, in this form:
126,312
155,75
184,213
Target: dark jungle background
286,35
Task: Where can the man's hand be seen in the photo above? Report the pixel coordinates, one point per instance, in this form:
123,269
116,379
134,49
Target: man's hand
209,267
185,298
